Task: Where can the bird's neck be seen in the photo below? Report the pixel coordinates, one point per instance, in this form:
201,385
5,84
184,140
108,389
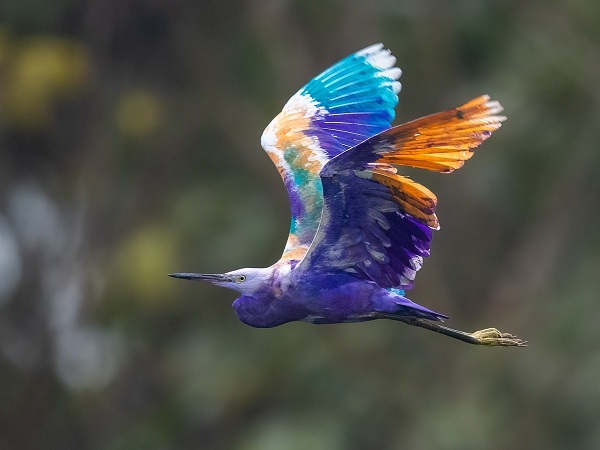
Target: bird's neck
266,311
271,303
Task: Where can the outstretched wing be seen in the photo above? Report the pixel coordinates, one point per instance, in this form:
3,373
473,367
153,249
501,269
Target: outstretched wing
377,224
346,104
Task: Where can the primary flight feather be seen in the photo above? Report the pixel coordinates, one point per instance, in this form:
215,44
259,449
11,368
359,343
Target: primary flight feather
359,230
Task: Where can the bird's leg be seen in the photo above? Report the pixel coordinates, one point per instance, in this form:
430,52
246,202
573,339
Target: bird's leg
488,336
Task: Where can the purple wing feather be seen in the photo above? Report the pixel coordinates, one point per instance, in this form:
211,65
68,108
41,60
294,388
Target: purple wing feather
365,232
378,225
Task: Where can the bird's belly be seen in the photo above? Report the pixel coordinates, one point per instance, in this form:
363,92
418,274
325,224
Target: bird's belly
319,300
329,319
352,302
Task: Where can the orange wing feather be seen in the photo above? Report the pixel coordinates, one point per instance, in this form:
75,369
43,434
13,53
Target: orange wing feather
414,198
442,142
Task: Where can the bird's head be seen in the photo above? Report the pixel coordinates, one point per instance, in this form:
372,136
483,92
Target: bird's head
258,306
245,281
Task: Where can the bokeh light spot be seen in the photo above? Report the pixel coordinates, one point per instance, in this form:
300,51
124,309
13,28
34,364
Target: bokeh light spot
40,71
138,113
144,262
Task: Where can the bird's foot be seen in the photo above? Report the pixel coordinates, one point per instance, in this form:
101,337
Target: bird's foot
493,337
489,336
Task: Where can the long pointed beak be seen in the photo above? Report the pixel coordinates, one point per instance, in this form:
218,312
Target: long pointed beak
206,277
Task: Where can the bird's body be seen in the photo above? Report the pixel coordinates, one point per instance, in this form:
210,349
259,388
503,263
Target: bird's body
359,231
287,296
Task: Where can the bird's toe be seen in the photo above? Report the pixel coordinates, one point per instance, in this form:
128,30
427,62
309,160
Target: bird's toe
494,337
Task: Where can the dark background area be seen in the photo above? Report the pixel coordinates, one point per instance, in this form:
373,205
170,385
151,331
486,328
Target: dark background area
129,149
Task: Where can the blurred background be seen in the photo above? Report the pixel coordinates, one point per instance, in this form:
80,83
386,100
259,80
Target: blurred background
129,149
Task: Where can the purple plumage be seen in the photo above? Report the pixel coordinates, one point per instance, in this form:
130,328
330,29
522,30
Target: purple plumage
323,299
359,231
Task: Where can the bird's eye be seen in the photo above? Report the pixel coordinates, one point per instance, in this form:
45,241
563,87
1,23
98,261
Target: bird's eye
242,278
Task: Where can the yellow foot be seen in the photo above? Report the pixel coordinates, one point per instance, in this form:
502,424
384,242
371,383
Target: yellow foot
491,336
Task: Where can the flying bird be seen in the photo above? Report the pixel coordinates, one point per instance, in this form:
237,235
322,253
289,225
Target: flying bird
359,230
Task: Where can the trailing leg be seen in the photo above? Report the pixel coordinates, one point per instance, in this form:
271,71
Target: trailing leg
488,336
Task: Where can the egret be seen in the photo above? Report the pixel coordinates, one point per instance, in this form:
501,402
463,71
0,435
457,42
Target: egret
359,230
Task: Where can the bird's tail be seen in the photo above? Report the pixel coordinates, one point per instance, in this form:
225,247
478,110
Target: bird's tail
396,304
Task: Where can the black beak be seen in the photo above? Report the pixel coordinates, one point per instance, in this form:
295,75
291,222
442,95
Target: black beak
206,277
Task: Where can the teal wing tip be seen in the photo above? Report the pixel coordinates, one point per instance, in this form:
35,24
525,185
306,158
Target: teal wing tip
371,71
381,58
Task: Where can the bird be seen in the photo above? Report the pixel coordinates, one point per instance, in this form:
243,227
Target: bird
359,230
